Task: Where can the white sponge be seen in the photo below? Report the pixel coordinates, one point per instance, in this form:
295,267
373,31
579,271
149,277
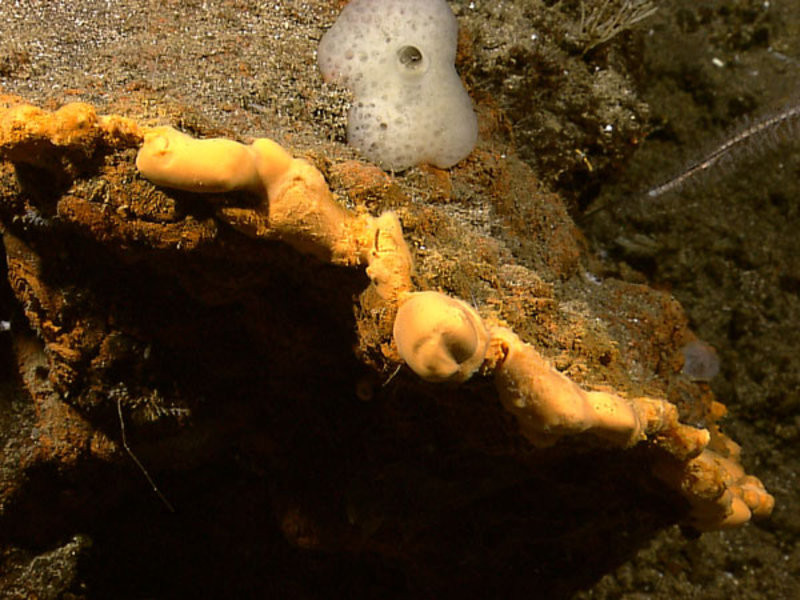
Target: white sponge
397,57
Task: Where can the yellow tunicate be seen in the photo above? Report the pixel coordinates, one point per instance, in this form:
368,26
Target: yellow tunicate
439,337
173,159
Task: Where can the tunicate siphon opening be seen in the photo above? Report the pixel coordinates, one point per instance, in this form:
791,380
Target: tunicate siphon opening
410,57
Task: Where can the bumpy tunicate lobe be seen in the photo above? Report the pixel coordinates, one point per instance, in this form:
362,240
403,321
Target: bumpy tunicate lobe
397,57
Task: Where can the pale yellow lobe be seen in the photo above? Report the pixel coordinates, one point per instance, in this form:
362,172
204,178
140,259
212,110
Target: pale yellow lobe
173,159
439,337
296,206
271,159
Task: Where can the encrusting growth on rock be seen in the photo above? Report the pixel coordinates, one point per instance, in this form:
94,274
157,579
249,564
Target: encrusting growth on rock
295,207
26,132
441,338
